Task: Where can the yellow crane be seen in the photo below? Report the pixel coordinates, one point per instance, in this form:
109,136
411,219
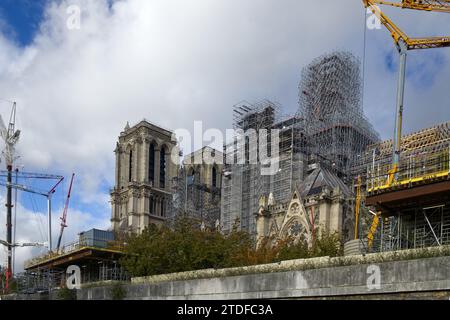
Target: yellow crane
373,229
405,43
358,200
427,5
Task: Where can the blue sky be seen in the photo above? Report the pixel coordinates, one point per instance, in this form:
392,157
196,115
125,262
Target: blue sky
177,61
20,22
22,19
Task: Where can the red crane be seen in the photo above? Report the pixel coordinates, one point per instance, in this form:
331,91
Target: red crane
64,215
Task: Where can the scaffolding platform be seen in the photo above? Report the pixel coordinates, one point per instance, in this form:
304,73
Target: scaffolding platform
79,256
422,195
95,252
423,175
413,202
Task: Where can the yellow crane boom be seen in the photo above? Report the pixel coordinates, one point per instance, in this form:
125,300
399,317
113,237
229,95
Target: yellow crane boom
403,43
397,34
427,5
373,230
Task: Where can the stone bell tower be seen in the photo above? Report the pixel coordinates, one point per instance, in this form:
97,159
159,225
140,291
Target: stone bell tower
144,177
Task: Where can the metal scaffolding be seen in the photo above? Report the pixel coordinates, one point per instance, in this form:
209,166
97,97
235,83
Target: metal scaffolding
44,280
195,199
425,153
48,279
243,182
330,102
414,220
414,228
329,129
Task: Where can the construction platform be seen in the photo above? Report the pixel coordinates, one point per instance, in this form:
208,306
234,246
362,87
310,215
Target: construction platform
95,252
429,192
423,176
81,255
414,207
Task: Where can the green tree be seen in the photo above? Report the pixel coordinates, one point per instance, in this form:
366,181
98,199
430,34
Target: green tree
290,249
185,247
327,244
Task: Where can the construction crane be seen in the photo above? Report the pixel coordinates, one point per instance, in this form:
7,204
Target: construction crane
48,194
64,215
23,244
10,137
404,43
427,5
373,228
357,206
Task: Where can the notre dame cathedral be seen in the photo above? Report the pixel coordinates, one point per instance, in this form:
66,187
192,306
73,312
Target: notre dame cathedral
151,186
144,177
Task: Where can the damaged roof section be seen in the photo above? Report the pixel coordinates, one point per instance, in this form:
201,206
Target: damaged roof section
320,178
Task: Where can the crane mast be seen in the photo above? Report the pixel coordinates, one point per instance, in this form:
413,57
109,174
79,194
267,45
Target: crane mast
64,215
10,136
404,43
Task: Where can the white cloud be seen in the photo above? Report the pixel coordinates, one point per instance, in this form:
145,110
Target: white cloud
31,227
171,62
176,61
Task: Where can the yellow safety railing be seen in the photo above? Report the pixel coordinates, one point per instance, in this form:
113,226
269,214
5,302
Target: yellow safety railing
415,168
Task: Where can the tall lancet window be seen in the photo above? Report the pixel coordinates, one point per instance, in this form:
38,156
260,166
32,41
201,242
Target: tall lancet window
151,163
152,205
163,208
214,176
162,167
130,166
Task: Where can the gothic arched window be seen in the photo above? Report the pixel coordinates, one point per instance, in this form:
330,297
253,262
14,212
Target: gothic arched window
214,176
162,167
163,213
197,176
130,166
151,205
151,162
190,177
247,150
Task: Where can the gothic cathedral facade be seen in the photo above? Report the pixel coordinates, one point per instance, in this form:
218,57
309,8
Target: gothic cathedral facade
145,170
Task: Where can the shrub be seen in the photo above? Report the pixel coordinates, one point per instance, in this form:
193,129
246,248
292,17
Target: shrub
327,244
66,294
118,292
184,247
293,250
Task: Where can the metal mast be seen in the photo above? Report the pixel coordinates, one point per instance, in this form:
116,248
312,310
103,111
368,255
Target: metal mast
47,194
10,136
404,44
64,216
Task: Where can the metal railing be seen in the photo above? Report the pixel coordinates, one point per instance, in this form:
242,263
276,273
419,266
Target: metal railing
75,246
414,169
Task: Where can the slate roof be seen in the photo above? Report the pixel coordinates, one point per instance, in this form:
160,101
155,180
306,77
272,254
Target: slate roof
318,179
